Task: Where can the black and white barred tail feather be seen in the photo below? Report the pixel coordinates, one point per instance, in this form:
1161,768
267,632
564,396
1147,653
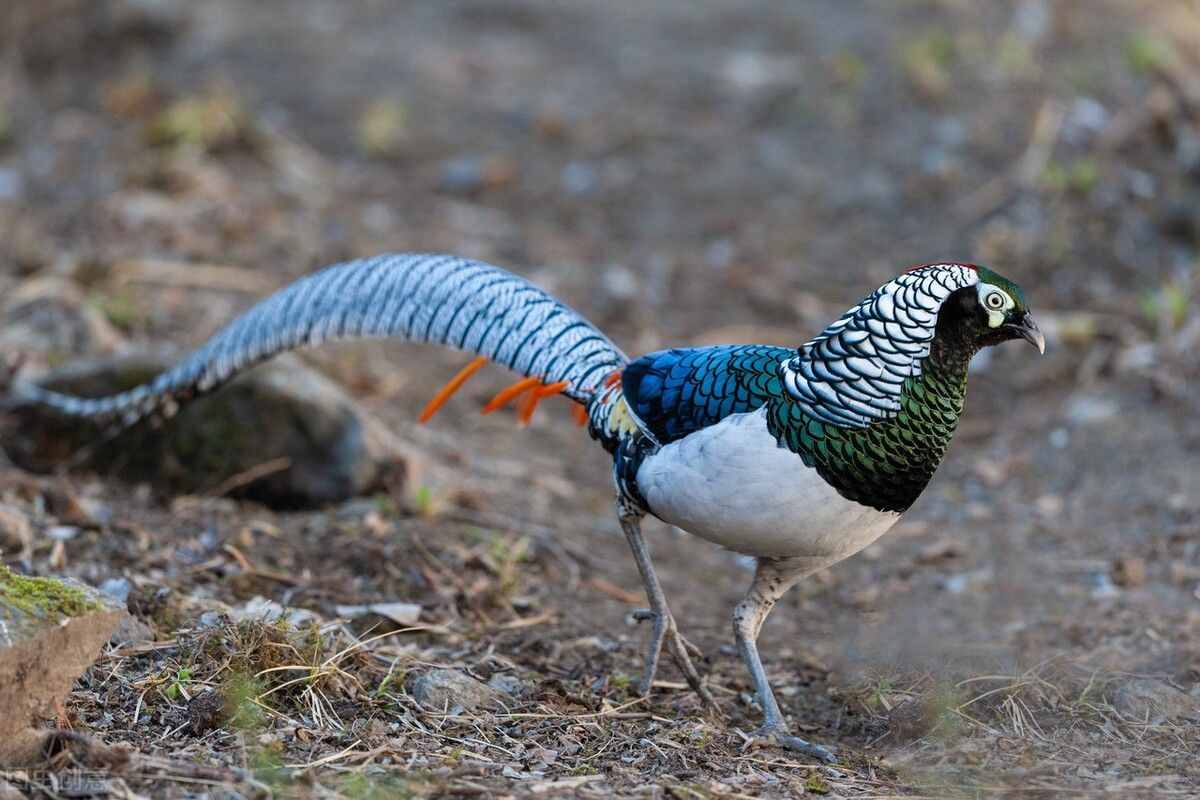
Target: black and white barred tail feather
420,297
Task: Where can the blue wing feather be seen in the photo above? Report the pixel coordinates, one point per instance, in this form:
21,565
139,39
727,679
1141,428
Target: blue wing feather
677,392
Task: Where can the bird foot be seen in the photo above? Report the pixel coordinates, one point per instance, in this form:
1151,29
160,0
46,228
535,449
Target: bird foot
779,737
643,614
664,631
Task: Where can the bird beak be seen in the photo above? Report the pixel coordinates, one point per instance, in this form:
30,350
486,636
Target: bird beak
1028,330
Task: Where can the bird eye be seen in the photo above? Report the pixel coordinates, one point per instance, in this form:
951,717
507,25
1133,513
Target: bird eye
995,300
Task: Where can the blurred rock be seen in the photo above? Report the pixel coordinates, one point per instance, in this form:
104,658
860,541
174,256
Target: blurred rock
1088,409
51,630
402,614
1129,572
1155,701
49,319
325,446
509,684
16,533
579,178
11,184
117,589
262,609
1085,119
382,128
453,691
473,174
131,631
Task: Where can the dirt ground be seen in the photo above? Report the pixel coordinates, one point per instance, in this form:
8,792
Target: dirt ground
682,173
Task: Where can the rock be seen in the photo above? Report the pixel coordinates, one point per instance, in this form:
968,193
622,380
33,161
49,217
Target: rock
1089,409
1129,572
51,630
16,534
262,609
324,446
452,691
132,631
508,683
402,614
474,174
117,588
1153,700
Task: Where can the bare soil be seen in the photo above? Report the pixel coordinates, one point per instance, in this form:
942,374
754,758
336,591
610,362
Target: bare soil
682,173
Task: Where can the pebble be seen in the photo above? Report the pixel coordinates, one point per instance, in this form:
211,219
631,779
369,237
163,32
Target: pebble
263,609
579,178
117,588
1059,438
1088,409
1148,699
452,691
11,185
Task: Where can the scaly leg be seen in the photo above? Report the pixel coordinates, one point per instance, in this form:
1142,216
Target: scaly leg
772,579
663,628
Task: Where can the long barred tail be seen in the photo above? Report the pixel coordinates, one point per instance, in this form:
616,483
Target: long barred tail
419,297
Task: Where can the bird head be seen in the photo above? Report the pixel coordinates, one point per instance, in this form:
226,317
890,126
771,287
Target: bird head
991,311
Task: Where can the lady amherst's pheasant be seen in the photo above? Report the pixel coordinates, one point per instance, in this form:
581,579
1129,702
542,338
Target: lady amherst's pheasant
797,457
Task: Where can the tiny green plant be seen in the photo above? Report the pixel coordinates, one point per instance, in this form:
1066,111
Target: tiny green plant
179,681
1145,52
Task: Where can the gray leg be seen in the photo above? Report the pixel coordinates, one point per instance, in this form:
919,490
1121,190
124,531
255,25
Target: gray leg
772,579
663,630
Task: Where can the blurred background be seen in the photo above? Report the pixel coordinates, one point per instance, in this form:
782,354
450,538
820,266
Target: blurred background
683,173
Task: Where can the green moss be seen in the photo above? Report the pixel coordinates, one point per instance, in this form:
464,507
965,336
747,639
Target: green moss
240,691
44,597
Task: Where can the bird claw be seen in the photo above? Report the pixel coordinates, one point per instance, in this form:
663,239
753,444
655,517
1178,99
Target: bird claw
666,632
644,614
776,737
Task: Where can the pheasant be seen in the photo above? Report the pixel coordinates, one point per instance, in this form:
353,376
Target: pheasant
797,457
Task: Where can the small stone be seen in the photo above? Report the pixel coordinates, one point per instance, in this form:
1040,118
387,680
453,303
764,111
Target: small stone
1129,572
262,609
1104,588
1060,438
16,534
11,185
1049,506
210,619
1089,409
473,174
1153,700
132,631
579,178
508,683
403,614
452,691
117,588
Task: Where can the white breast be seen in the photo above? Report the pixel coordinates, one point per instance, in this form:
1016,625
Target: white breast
733,485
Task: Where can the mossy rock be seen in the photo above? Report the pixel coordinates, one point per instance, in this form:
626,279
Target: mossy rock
51,630
44,600
328,448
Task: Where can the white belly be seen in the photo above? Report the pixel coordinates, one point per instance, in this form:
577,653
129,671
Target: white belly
733,485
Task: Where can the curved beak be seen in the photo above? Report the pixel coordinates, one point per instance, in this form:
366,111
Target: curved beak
1028,330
